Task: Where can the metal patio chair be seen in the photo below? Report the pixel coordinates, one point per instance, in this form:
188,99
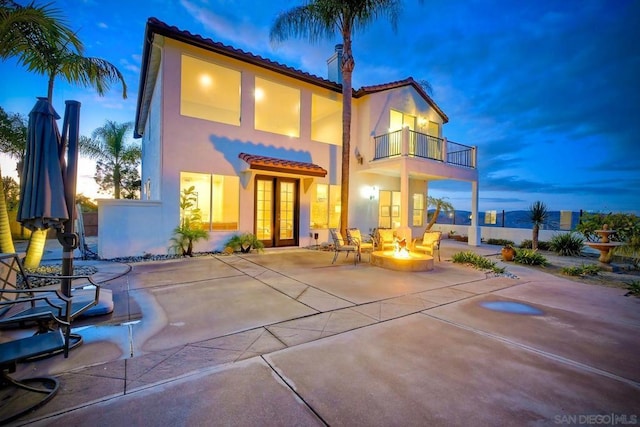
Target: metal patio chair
339,245
355,238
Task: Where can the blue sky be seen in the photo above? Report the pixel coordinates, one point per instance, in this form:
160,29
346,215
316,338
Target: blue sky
548,90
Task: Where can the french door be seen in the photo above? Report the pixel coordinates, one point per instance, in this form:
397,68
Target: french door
276,210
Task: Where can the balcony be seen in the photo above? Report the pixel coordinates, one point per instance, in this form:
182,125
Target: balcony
409,143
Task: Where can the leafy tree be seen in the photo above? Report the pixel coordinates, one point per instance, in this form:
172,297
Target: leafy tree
322,19
538,215
190,229
11,192
117,161
13,137
441,205
86,204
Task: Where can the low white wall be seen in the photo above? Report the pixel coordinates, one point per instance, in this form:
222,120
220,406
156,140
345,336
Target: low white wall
516,235
130,228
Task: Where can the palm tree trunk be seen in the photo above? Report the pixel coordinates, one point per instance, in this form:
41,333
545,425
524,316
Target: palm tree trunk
35,250
347,72
434,218
534,237
6,240
116,182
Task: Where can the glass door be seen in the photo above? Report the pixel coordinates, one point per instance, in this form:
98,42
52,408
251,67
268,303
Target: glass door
277,209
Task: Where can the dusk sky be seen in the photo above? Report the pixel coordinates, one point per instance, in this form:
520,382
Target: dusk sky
548,90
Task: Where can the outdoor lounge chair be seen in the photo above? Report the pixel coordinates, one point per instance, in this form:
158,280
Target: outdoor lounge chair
52,335
430,243
84,296
339,245
355,238
384,239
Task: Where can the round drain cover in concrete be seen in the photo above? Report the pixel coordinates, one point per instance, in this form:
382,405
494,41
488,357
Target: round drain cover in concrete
511,307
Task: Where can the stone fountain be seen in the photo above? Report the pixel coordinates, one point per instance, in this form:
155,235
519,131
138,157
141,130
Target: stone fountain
605,246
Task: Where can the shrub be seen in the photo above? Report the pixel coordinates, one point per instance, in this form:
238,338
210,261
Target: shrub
633,287
528,244
190,229
244,243
584,270
479,262
530,257
500,242
568,244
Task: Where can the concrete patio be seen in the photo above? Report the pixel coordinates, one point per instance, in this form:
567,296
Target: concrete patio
286,338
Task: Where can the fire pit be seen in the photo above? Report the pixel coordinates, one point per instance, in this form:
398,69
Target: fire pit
401,259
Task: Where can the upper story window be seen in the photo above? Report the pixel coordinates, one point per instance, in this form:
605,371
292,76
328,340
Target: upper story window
277,108
209,91
326,120
399,120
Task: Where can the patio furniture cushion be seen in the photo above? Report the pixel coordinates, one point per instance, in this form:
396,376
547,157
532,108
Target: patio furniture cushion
430,243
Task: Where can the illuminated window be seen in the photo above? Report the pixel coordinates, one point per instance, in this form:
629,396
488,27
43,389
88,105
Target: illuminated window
433,129
326,120
490,217
209,91
399,120
418,209
389,214
217,197
325,206
277,108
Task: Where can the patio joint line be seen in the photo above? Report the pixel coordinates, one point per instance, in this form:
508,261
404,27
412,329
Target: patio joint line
302,399
546,354
295,280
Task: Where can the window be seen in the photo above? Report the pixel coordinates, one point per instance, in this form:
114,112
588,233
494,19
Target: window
326,120
209,91
389,214
399,120
277,108
325,206
217,197
490,217
418,210
433,129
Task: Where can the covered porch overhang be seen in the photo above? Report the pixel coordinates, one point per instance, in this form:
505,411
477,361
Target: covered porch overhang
409,168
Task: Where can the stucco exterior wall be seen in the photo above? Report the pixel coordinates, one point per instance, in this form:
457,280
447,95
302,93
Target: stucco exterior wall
135,235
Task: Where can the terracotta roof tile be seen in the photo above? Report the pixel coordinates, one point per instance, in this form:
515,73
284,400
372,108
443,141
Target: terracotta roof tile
366,90
282,165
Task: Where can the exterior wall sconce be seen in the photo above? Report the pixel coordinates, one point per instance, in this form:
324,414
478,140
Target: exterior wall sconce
372,193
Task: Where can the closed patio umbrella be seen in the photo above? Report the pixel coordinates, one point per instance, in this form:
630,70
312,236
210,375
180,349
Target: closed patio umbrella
48,187
42,197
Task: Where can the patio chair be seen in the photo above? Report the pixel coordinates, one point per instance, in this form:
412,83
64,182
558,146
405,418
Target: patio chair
84,296
20,396
355,238
430,243
339,245
384,239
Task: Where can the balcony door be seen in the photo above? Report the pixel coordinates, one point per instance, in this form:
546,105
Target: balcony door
277,210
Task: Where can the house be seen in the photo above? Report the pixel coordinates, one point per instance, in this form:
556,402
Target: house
261,144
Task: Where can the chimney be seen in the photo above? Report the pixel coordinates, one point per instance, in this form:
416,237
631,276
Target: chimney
334,64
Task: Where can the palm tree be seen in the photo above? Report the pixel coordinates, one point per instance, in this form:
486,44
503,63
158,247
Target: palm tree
39,38
108,146
440,205
22,27
538,214
321,19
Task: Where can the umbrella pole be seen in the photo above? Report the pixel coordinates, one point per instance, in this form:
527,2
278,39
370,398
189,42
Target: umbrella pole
68,238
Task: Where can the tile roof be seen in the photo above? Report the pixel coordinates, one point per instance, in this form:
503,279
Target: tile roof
366,90
274,164
155,26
